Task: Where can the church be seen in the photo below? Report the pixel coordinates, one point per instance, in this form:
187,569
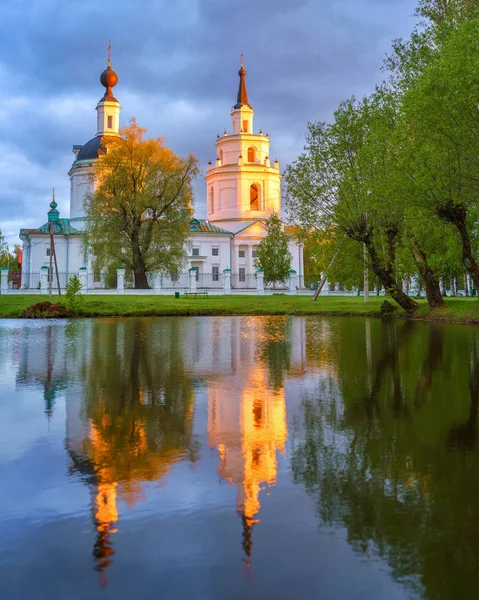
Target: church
243,188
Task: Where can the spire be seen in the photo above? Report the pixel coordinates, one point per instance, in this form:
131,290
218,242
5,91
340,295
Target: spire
53,213
109,78
242,97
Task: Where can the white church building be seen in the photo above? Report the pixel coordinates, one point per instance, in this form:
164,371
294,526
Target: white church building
243,188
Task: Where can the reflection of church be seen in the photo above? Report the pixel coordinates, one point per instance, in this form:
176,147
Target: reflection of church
247,424
129,395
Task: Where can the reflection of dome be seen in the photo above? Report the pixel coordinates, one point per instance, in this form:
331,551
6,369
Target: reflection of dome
90,150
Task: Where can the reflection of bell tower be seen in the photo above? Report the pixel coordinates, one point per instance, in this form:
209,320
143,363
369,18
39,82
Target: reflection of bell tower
248,426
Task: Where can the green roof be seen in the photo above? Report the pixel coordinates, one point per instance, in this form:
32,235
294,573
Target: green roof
202,226
59,226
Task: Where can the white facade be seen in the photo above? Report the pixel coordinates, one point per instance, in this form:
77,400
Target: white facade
243,188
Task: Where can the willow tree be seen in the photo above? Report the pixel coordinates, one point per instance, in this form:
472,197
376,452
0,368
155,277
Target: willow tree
342,180
138,216
441,116
4,252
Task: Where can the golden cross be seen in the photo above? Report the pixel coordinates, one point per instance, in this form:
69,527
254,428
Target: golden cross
109,48
241,58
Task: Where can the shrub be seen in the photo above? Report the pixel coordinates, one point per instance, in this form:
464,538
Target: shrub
73,295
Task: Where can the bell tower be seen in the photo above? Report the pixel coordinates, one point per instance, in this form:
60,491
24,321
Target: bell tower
242,185
108,108
108,124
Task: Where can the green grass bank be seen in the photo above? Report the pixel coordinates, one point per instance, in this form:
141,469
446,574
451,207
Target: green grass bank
457,310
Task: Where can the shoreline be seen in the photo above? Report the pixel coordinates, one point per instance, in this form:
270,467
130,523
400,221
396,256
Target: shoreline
456,310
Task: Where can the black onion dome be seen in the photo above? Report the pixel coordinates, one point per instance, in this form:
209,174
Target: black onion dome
91,150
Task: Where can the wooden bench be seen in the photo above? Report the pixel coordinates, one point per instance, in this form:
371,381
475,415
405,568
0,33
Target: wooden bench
200,293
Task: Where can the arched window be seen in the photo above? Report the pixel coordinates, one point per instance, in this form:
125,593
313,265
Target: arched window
212,199
254,197
251,154
221,156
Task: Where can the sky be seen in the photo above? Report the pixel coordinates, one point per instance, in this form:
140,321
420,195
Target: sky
177,63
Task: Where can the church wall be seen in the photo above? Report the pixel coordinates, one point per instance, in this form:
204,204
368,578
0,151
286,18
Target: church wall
68,250
80,185
206,261
296,262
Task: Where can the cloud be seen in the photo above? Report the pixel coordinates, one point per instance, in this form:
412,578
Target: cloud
177,64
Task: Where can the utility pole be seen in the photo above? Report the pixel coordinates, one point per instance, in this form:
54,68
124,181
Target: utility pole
50,273
323,280
56,265
366,274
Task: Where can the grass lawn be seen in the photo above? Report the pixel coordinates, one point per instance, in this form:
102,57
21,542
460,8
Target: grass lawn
456,309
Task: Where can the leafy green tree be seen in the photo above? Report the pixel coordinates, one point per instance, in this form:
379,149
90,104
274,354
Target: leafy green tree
139,214
441,142
343,179
4,253
274,257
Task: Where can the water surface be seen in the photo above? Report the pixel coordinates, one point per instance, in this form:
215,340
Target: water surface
231,457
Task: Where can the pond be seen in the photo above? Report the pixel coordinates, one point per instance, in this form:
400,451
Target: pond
239,458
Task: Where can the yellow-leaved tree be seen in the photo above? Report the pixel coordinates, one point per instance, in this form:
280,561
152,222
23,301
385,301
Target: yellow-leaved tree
138,216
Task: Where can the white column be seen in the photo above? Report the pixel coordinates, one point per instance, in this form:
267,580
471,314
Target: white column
4,281
250,259
192,285
82,276
227,281
292,281
120,280
260,281
43,278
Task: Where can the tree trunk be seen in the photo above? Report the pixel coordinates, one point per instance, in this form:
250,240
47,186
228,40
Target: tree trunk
386,277
456,214
141,281
433,290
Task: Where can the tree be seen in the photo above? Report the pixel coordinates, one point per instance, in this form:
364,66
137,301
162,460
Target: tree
4,253
274,257
440,114
138,216
343,179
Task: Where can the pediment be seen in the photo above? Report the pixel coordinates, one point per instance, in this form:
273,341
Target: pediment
258,228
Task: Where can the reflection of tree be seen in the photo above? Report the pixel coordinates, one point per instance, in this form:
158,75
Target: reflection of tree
464,436
138,410
276,349
389,476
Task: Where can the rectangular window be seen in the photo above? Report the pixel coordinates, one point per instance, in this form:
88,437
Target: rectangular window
110,122
196,251
245,126
241,254
215,251
216,274
48,251
255,252
197,274
242,274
